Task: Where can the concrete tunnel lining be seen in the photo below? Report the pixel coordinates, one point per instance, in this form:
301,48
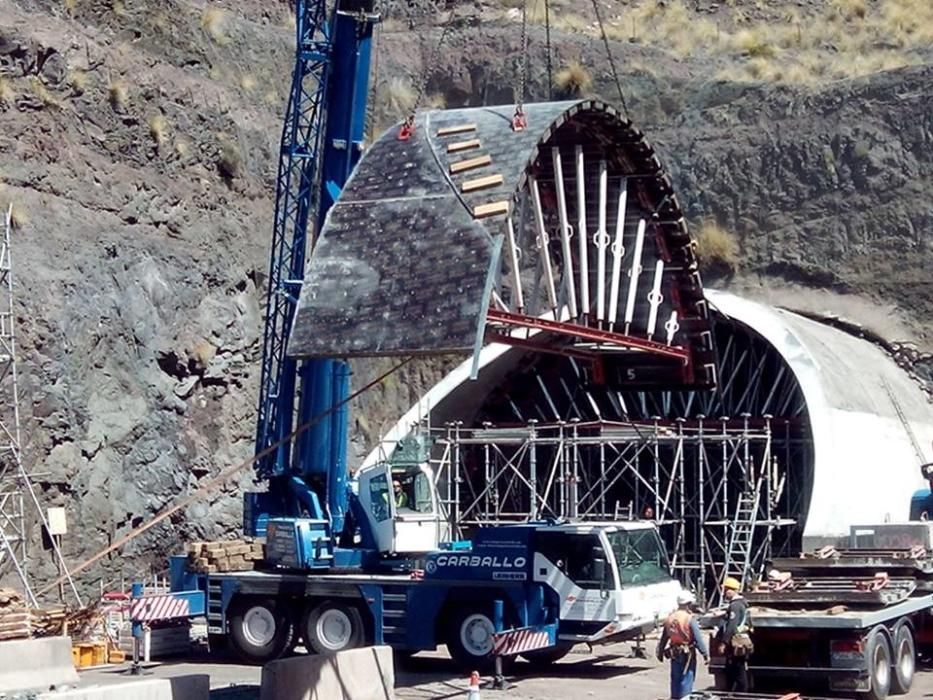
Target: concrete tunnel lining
863,458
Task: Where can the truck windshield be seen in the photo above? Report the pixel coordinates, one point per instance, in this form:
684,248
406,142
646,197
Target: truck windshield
640,557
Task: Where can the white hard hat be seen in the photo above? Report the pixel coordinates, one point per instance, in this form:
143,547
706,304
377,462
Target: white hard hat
685,597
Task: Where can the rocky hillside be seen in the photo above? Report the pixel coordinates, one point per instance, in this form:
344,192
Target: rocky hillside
138,149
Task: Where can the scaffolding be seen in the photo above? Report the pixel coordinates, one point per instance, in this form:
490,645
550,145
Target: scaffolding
16,488
703,481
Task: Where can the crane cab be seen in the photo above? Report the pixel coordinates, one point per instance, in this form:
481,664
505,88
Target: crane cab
399,499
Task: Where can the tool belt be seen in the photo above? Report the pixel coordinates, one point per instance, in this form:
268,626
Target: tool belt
680,652
741,644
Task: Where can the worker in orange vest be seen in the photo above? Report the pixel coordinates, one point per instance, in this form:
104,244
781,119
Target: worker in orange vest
680,641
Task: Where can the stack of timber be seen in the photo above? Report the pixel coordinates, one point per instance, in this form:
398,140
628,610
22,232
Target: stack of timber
49,621
14,615
221,557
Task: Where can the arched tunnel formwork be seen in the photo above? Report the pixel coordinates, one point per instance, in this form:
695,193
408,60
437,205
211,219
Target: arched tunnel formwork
603,380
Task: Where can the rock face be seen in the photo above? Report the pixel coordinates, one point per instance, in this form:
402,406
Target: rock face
139,146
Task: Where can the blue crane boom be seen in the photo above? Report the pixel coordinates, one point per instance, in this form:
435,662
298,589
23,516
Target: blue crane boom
322,140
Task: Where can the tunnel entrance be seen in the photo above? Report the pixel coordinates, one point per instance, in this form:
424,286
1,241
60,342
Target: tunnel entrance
725,472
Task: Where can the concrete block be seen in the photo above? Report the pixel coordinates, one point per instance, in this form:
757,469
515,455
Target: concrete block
32,664
193,687
357,674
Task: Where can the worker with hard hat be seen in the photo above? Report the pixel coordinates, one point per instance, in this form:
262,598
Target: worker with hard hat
734,640
680,642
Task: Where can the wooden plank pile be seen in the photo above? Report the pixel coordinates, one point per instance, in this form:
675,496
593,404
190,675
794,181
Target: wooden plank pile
14,616
220,557
48,622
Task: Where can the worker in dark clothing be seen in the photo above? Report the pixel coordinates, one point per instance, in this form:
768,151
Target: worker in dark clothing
733,637
680,641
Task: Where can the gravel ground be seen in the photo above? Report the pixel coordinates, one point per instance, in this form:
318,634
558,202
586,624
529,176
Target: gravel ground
608,674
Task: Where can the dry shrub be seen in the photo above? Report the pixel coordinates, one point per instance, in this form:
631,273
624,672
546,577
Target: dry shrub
18,216
214,22
118,8
248,82
158,129
117,94
78,80
229,159
716,248
397,97
44,95
850,9
70,6
573,80
182,148
6,91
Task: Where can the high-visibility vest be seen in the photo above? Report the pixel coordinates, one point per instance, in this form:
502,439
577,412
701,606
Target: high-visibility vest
678,628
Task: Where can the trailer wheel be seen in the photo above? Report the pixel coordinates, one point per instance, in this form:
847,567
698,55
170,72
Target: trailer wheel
879,666
543,658
905,661
333,626
469,639
260,629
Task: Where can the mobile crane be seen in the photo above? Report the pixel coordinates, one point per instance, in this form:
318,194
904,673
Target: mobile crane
345,562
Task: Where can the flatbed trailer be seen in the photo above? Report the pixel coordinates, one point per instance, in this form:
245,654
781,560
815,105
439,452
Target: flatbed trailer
851,620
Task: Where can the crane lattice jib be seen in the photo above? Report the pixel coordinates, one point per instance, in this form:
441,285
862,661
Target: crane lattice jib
297,198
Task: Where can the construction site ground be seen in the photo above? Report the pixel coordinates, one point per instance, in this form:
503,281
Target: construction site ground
607,674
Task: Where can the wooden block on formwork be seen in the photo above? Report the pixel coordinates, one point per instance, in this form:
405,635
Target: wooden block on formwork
238,549
213,546
481,211
481,183
458,129
470,164
459,146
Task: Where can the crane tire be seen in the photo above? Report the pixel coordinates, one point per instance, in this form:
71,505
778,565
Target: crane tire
260,628
333,625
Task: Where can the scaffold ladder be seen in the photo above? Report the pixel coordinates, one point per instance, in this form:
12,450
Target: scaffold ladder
742,534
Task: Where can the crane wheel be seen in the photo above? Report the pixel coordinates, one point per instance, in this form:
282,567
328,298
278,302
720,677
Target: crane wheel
260,629
905,660
333,625
469,638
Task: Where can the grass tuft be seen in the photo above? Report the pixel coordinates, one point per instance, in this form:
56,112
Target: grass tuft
229,159
248,82
716,248
214,22
158,130
6,91
573,80
78,80
117,95
44,94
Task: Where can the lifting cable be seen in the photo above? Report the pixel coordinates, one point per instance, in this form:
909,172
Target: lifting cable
519,122
547,41
408,127
612,63
221,479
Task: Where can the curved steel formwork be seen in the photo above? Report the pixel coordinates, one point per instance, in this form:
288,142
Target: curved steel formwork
565,237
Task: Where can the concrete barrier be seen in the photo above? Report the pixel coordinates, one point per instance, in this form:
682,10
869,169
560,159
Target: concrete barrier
357,674
36,664
193,687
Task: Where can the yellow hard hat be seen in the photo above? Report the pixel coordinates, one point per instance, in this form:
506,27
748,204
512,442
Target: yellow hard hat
731,584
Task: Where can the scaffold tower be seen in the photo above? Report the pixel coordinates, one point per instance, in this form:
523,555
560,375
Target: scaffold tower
17,495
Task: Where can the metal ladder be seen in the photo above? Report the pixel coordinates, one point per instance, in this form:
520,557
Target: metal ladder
739,551
394,605
215,606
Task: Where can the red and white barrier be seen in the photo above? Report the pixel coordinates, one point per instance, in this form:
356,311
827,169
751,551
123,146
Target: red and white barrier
158,607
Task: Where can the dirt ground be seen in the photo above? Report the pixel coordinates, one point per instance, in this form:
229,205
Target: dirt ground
608,674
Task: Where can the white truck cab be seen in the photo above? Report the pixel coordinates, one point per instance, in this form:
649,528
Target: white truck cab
612,578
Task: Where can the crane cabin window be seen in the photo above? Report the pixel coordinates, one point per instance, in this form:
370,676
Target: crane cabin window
640,557
379,497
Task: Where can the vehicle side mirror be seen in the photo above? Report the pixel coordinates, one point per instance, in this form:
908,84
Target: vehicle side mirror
599,570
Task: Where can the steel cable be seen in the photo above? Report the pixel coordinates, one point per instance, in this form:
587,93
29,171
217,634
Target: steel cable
612,63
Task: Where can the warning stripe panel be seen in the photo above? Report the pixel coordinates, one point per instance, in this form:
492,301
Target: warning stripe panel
161,607
518,641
